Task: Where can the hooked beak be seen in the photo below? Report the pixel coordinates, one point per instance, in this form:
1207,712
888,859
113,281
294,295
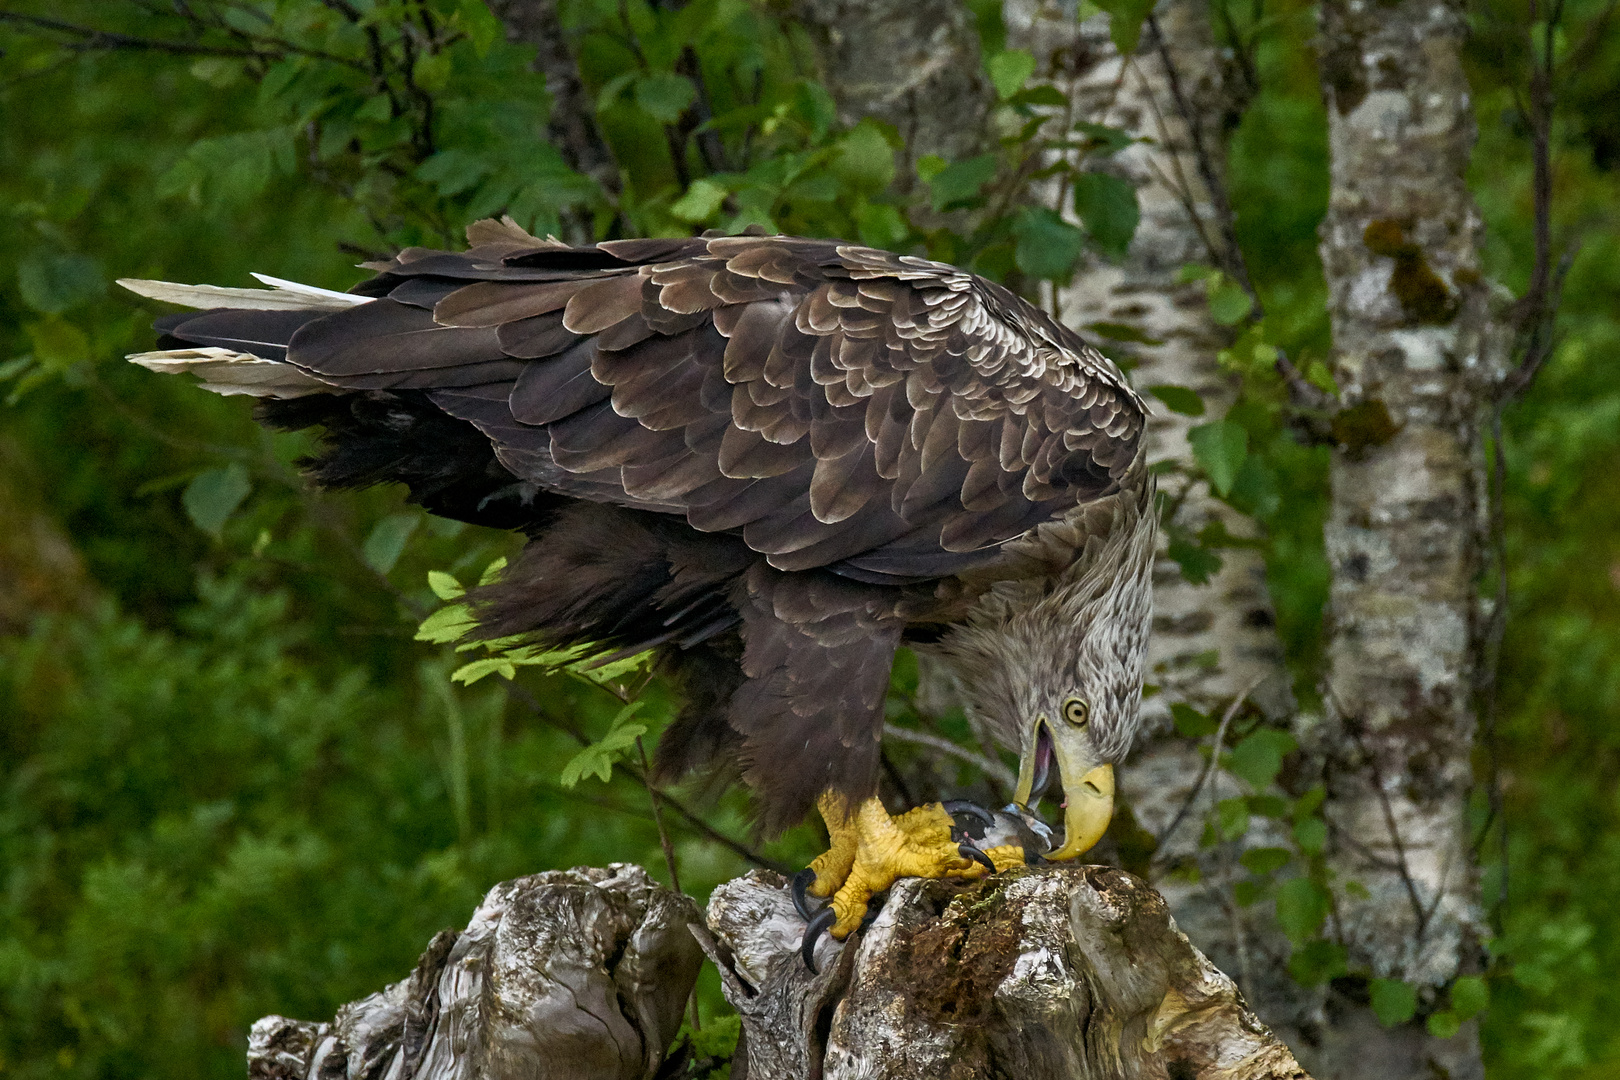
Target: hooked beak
1088,789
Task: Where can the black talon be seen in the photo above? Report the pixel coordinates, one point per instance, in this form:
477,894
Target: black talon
801,903
812,933
968,851
972,809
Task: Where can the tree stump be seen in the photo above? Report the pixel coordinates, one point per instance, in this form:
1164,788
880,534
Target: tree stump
580,974
1073,972
1062,972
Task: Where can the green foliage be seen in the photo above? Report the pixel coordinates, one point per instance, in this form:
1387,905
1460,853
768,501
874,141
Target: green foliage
598,758
1221,448
213,496
1393,1001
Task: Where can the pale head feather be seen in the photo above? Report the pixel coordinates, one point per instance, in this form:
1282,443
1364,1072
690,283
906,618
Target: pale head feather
1030,644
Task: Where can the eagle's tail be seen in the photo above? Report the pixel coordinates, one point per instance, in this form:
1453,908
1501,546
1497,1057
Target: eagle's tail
238,345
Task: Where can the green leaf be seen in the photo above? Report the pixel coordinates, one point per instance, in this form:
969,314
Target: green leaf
1198,563
1232,818
1125,18
1317,962
446,625
212,497
1220,448
665,97
454,171
478,669
1307,803
386,541
865,160
445,586
1268,806
1179,399
597,759
483,29
881,226
492,572
1393,1001
1043,94
1265,860
1104,140
1469,996
1117,331
1258,758
53,282
1190,722
432,71
1107,207
958,184
1048,247
701,201
1009,71
1310,834
1444,1024
58,343
1301,907
930,166
610,672
1228,303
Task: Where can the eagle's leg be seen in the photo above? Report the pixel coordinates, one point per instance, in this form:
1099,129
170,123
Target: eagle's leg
871,850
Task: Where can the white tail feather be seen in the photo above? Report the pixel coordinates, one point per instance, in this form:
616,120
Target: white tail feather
337,299
285,296
226,372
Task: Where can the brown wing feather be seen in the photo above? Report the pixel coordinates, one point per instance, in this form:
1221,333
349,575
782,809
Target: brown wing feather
836,406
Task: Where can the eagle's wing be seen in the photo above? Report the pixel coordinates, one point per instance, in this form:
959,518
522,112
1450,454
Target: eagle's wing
884,416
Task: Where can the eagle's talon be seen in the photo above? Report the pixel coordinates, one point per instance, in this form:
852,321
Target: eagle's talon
813,930
801,901
968,851
957,807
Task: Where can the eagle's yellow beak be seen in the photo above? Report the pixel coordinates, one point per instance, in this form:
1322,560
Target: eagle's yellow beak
1088,788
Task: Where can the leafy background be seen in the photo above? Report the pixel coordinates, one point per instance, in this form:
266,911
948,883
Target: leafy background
234,783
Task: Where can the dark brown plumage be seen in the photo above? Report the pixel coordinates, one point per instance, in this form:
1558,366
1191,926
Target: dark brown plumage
766,457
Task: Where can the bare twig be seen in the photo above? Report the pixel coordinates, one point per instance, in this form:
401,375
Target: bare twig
1209,766
658,819
697,824
942,745
1419,911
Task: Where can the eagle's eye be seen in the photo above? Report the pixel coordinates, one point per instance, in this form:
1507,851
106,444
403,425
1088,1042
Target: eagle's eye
1076,711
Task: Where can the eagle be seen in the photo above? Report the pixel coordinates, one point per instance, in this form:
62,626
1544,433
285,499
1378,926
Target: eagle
771,460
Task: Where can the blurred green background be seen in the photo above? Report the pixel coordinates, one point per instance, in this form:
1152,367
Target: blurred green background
233,783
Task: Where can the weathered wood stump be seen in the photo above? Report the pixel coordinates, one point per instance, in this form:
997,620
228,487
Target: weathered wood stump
1061,972
578,974
1072,972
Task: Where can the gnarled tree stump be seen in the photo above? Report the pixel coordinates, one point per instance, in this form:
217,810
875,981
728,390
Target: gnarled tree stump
1061,972
579,974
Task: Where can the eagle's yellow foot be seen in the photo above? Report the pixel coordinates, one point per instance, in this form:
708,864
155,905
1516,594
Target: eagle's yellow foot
871,850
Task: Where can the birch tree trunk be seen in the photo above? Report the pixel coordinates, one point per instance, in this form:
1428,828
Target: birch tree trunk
1415,355
1214,643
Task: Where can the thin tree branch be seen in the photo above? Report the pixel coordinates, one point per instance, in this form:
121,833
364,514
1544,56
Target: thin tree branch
942,745
1209,766
575,732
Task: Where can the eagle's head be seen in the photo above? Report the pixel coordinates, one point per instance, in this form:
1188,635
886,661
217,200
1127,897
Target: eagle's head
1054,669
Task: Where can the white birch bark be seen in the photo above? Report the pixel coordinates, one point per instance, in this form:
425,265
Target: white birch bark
1415,353
1216,642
